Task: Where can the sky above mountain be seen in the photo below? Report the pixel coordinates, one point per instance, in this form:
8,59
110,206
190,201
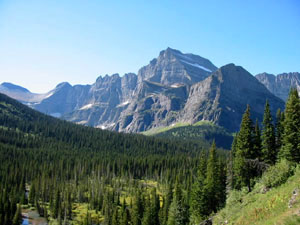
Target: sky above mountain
44,43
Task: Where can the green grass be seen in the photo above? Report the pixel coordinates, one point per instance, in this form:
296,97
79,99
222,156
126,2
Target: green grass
158,130
263,209
202,131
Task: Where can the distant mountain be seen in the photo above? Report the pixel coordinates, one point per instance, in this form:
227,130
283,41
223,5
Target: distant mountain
104,101
281,84
173,88
222,98
19,93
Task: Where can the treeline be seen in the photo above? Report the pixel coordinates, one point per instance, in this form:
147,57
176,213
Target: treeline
255,148
57,166
60,168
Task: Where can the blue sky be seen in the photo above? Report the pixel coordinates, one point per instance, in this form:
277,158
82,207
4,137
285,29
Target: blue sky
43,43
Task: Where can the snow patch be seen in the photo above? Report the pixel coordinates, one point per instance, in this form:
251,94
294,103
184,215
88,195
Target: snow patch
57,114
49,95
88,106
82,122
197,65
123,104
103,127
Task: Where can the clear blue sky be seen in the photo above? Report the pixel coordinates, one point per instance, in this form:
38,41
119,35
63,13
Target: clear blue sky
43,43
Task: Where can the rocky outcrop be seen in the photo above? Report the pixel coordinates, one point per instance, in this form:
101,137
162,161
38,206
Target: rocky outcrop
154,105
281,84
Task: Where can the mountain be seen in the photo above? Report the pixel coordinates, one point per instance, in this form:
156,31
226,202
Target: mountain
173,88
162,90
222,98
173,67
105,100
20,93
281,84
63,99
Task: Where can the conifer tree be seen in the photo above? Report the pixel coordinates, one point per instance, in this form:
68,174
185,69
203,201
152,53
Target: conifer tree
18,216
229,174
279,129
269,153
177,212
244,141
198,204
56,205
115,217
138,209
243,151
166,205
147,214
257,141
211,184
290,149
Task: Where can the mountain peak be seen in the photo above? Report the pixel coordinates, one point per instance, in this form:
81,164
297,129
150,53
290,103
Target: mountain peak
14,87
174,67
280,85
63,85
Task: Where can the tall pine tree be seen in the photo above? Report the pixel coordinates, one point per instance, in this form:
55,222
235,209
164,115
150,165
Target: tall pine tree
290,149
269,153
243,151
198,205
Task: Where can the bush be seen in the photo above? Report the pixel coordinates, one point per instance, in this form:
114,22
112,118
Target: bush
236,196
277,174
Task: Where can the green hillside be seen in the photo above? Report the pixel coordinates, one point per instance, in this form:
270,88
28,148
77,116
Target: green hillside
202,131
84,175
272,201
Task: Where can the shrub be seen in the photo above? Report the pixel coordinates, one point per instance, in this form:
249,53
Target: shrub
277,174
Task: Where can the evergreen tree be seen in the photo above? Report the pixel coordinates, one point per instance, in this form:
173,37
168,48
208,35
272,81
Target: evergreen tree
166,205
115,217
138,209
32,194
257,145
198,204
290,149
243,151
269,153
177,212
244,142
56,205
279,129
18,216
211,184
229,174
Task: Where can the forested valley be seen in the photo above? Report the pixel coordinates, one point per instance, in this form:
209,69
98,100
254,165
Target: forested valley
73,174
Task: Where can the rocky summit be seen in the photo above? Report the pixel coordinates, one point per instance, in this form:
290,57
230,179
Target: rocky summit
281,84
224,96
173,88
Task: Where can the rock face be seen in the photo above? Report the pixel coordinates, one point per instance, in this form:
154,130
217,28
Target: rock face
174,87
223,98
107,98
281,84
173,67
63,99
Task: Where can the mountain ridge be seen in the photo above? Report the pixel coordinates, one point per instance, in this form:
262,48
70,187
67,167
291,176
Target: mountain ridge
174,87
